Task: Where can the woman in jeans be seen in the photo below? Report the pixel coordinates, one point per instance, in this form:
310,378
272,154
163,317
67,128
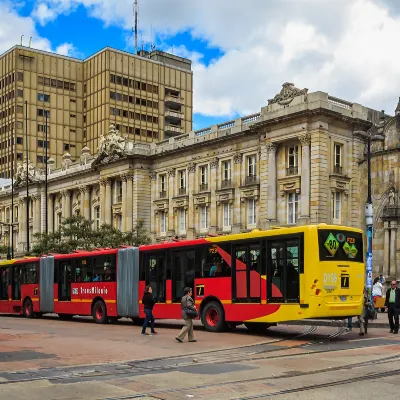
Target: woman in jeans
148,303
187,303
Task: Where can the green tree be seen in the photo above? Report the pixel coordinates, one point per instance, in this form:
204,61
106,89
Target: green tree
77,233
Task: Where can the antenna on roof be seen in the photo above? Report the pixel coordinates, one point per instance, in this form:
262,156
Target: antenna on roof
136,14
21,39
30,41
152,47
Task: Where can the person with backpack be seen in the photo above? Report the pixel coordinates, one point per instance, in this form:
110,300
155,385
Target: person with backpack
148,303
189,312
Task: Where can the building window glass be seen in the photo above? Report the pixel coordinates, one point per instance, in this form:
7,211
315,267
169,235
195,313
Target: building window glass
292,207
337,200
227,216
338,155
251,212
163,183
118,192
182,179
251,166
204,175
97,217
163,220
293,156
226,170
204,217
182,220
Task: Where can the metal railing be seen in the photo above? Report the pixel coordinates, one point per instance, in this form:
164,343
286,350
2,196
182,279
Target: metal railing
337,169
292,171
203,187
226,183
251,180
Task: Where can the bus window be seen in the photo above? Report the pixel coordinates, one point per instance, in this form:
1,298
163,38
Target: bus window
283,271
64,280
247,277
156,276
183,272
208,262
83,271
4,283
29,273
16,282
104,268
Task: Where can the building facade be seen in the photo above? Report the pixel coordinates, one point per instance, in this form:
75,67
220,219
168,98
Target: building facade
147,96
300,160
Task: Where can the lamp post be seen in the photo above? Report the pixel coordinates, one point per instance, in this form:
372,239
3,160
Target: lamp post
12,193
370,135
45,184
27,177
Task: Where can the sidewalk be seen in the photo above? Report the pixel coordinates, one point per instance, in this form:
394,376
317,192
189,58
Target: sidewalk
381,322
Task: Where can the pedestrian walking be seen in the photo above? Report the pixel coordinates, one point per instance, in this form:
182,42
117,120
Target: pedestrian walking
363,318
393,305
148,303
189,312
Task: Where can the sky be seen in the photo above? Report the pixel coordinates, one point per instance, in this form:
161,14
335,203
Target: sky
241,52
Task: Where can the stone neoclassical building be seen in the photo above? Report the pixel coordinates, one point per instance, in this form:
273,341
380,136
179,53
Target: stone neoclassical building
298,161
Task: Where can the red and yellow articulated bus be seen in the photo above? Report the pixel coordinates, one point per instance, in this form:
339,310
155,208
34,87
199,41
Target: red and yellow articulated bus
258,278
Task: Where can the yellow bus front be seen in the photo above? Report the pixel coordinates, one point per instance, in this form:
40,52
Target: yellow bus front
337,281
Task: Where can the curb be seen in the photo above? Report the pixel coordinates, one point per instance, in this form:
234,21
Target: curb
337,324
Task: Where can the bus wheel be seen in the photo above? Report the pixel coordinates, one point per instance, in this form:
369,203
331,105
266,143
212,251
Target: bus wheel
213,317
257,327
100,312
28,308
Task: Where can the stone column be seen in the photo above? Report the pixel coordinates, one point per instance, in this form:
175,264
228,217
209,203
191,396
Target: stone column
36,215
108,202
213,225
190,229
51,213
271,211
124,204
66,207
237,223
22,225
393,266
129,203
43,210
171,194
153,197
386,249
103,182
305,175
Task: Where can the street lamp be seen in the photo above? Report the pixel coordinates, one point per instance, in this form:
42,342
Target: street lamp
10,252
371,135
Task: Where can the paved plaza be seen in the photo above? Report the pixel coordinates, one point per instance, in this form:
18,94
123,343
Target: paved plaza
52,359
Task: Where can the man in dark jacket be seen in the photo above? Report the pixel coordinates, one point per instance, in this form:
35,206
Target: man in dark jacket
393,305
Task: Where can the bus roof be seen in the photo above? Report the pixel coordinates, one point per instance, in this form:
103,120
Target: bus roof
275,231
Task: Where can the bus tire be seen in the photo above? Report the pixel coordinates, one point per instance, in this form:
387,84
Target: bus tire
28,308
213,317
257,327
100,312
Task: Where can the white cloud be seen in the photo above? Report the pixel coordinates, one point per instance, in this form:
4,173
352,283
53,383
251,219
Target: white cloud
12,26
346,48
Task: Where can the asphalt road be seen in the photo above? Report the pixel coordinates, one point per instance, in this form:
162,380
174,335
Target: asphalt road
52,359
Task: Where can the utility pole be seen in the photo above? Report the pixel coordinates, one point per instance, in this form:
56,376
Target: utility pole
27,177
12,193
45,183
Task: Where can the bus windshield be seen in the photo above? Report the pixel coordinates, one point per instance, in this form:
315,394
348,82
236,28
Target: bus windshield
340,245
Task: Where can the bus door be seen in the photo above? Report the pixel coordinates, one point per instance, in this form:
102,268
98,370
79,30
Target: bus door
16,282
64,280
156,275
246,276
284,265
183,272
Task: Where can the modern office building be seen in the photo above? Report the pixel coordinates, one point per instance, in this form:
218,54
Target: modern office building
147,96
